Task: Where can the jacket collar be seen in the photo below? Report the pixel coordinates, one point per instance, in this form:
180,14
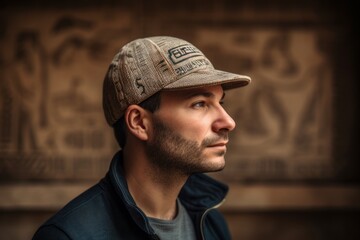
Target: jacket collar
202,192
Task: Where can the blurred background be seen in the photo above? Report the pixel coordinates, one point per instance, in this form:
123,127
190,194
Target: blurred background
293,163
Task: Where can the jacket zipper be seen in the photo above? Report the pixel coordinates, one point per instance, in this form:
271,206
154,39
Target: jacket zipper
203,217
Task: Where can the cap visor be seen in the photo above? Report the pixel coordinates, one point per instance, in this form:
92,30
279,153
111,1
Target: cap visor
209,78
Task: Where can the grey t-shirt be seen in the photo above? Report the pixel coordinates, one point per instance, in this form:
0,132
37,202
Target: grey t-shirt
181,227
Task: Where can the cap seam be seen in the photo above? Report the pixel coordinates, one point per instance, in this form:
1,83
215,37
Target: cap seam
165,58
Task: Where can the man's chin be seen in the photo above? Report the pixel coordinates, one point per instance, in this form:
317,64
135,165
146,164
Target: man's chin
215,164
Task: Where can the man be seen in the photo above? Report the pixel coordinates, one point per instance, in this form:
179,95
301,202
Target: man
164,99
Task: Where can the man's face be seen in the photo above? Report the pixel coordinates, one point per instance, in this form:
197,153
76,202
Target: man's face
190,131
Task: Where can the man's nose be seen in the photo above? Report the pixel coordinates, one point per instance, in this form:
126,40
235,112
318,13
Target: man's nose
223,121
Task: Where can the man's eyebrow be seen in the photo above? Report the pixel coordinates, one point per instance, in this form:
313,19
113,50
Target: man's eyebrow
204,94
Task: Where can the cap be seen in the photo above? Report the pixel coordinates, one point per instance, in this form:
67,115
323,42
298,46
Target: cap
145,66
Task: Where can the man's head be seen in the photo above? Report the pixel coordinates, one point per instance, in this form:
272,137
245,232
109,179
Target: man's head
167,94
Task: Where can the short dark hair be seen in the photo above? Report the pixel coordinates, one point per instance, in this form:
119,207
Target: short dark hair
151,104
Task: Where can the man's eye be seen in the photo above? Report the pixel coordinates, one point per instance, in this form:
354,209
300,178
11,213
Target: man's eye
199,104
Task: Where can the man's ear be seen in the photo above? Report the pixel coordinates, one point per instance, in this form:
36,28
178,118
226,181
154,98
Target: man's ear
137,121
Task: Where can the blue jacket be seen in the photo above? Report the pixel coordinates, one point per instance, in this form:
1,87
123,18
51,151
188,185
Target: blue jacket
107,211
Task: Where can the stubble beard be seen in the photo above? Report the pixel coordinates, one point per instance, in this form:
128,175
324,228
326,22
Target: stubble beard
171,153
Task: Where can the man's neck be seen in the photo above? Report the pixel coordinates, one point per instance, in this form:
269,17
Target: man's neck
154,191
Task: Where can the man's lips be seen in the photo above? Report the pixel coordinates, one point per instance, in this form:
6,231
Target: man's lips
219,144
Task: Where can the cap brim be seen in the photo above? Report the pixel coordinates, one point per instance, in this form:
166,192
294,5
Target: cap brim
213,77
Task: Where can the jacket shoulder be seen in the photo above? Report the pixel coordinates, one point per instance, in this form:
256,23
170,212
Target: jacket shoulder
50,232
88,216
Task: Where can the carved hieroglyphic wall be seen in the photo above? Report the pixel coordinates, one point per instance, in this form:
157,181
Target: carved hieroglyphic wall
52,67
284,117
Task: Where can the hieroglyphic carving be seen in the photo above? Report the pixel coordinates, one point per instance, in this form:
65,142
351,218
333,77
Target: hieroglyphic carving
52,126
284,117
